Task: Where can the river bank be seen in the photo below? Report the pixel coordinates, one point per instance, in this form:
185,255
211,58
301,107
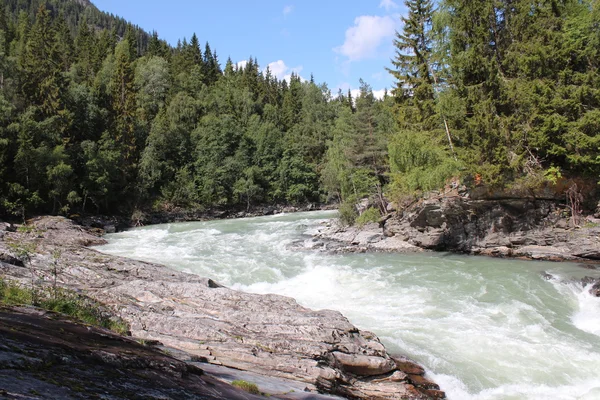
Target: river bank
510,227
269,334
116,223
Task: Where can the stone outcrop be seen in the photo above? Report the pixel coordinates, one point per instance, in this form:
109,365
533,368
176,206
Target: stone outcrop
269,334
519,227
45,355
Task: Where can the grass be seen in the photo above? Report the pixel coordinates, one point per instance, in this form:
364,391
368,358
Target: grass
247,386
63,301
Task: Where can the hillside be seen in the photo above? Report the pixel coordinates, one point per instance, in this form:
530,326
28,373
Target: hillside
74,12
97,116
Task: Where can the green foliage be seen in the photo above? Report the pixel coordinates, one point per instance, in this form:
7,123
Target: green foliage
247,386
417,164
505,90
370,215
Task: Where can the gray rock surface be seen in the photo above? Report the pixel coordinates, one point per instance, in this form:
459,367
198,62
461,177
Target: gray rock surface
266,334
529,228
334,237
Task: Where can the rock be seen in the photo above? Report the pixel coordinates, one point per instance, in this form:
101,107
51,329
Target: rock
408,366
6,227
595,285
363,205
8,259
43,352
434,394
422,382
364,365
486,223
267,334
595,290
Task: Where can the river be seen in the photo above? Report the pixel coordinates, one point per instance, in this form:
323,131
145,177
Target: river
484,328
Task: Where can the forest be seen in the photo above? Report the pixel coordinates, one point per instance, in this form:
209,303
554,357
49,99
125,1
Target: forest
98,116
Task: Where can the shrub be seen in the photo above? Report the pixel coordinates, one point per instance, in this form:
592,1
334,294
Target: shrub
348,213
370,215
247,386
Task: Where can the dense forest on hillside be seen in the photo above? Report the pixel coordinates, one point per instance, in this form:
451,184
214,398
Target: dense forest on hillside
98,116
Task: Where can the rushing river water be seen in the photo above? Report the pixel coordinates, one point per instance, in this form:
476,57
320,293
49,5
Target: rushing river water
484,328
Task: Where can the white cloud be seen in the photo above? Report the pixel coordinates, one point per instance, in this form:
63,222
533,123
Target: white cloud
287,10
278,68
242,64
388,5
282,71
379,93
363,39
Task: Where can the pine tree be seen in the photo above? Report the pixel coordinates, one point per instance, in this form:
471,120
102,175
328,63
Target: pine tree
194,53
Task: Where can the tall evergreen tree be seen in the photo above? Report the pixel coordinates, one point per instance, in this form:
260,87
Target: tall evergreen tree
413,64
124,107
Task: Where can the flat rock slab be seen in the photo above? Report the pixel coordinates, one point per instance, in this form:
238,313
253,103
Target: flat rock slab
266,334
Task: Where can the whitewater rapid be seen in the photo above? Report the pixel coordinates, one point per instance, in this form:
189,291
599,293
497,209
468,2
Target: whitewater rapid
485,329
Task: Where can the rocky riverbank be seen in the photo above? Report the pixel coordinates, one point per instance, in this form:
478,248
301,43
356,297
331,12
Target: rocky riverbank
110,224
528,228
267,334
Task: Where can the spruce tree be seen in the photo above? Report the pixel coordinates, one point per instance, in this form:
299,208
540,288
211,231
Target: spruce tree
413,63
123,106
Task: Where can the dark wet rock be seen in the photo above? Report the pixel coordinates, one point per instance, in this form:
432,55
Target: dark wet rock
8,259
595,285
267,334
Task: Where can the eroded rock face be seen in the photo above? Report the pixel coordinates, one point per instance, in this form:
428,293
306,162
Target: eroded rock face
269,334
528,228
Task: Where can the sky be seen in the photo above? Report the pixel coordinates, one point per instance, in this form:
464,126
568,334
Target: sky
338,41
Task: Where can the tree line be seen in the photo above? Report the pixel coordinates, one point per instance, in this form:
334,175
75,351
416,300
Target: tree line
97,116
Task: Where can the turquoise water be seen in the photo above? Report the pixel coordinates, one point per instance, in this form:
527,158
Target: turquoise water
484,328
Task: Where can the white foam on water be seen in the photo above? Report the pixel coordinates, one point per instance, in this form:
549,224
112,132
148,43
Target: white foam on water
484,328
587,317
587,313
580,390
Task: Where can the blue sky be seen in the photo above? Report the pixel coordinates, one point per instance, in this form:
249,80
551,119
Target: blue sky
338,41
